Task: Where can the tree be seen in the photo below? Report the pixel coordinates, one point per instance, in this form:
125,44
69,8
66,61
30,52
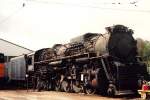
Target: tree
146,49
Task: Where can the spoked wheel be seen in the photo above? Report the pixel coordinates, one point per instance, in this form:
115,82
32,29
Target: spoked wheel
50,86
77,88
90,90
39,86
111,90
57,86
46,85
65,86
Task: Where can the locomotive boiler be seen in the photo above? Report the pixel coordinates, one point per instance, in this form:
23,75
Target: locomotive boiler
104,63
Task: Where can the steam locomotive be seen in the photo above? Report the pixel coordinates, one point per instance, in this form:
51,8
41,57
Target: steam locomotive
104,63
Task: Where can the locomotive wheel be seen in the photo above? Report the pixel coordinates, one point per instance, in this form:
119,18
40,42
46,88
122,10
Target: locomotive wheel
111,90
90,90
77,89
65,86
57,86
39,86
45,85
50,86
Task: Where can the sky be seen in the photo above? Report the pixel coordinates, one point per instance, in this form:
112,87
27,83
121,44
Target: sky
37,24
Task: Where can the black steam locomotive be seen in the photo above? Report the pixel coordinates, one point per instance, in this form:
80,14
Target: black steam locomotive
103,63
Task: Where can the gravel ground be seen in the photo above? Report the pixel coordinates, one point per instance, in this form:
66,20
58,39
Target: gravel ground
51,95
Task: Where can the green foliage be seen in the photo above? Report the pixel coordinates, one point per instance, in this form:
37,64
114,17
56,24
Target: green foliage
146,49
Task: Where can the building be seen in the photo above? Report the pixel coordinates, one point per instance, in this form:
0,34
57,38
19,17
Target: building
11,50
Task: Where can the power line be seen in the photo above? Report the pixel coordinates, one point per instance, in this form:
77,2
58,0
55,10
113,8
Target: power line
12,14
88,6
76,5
104,3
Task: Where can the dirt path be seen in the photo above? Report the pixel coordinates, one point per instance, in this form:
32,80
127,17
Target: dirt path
51,95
